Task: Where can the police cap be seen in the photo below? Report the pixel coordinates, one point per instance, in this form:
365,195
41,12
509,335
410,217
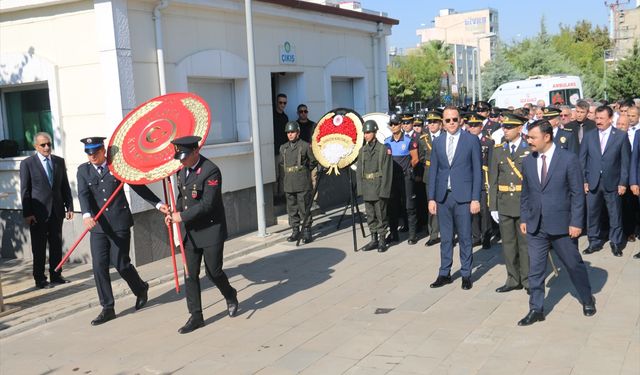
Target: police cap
92,144
482,106
370,126
184,146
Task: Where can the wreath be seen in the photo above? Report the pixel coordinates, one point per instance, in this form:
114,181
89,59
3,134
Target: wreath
337,139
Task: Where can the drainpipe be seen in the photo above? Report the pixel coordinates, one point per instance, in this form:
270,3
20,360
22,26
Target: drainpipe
375,39
157,20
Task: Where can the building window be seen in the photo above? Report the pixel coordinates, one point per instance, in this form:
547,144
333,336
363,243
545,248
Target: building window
342,92
220,95
25,111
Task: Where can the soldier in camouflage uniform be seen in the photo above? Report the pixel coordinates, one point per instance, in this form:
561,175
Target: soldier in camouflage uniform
433,130
505,187
374,176
297,160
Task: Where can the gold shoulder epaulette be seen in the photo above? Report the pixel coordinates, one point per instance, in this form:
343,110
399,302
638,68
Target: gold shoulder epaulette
568,129
499,145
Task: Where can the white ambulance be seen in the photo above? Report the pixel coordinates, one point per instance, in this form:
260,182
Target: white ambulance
552,89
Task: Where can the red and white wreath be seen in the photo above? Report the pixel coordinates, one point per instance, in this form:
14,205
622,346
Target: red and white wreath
337,139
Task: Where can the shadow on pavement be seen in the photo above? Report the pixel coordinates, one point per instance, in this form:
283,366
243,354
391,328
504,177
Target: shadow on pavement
562,285
290,272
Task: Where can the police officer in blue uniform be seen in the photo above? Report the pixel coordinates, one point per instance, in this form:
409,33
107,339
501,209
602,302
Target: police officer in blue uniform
404,152
110,234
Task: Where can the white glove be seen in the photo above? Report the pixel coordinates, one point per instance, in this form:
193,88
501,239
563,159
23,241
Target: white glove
495,216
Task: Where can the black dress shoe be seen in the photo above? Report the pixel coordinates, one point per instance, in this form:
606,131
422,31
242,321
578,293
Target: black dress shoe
631,238
372,245
476,243
589,309
432,242
486,243
527,290
591,249
104,316
393,237
382,246
192,324
507,288
616,250
412,241
142,299
44,284
637,256
466,283
232,307
59,280
294,236
441,281
532,317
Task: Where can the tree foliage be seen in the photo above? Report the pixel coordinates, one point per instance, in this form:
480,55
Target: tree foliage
625,80
498,71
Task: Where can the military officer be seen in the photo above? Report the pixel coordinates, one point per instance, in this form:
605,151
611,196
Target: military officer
505,187
418,171
110,235
425,145
563,138
201,211
481,223
485,110
298,161
404,151
374,176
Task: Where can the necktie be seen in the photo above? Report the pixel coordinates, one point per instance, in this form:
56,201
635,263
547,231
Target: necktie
543,172
450,149
100,170
513,150
580,133
602,143
49,171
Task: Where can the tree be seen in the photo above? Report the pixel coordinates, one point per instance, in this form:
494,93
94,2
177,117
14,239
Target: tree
417,76
625,80
498,71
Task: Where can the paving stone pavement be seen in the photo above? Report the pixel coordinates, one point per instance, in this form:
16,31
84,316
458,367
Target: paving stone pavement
323,309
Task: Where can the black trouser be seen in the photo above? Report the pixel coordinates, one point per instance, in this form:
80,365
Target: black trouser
49,231
213,268
630,213
113,249
402,198
298,205
481,226
421,203
433,228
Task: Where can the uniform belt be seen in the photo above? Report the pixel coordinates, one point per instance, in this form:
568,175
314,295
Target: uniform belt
294,169
509,188
371,176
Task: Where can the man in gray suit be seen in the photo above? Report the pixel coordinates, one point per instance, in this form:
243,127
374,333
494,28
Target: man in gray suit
46,201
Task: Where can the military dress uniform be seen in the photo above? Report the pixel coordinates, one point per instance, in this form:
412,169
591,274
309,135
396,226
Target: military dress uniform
204,224
298,161
402,194
505,187
563,138
425,146
481,223
110,238
374,176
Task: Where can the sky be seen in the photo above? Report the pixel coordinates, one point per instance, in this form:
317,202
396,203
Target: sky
517,19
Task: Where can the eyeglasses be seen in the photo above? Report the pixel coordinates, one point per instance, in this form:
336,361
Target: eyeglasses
43,145
565,115
448,120
302,110
282,102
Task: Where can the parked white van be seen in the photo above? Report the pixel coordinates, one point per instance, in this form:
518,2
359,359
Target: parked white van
552,89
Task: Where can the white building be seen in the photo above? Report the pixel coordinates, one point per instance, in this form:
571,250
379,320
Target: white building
77,67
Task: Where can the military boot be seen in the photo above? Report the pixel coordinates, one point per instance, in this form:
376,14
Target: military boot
295,234
373,244
392,237
382,245
306,235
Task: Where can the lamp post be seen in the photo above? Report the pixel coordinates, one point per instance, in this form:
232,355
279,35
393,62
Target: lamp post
490,35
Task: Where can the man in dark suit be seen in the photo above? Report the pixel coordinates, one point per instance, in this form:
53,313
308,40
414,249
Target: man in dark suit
455,181
563,138
552,210
46,201
200,209
581,125
605,158
110,234
634,172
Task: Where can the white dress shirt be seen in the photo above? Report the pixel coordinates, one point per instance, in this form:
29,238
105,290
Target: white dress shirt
516,143
632,133
42,159
603,137
549,155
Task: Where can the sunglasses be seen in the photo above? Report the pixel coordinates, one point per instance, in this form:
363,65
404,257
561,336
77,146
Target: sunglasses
282,103
448,120
45,144
302,111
